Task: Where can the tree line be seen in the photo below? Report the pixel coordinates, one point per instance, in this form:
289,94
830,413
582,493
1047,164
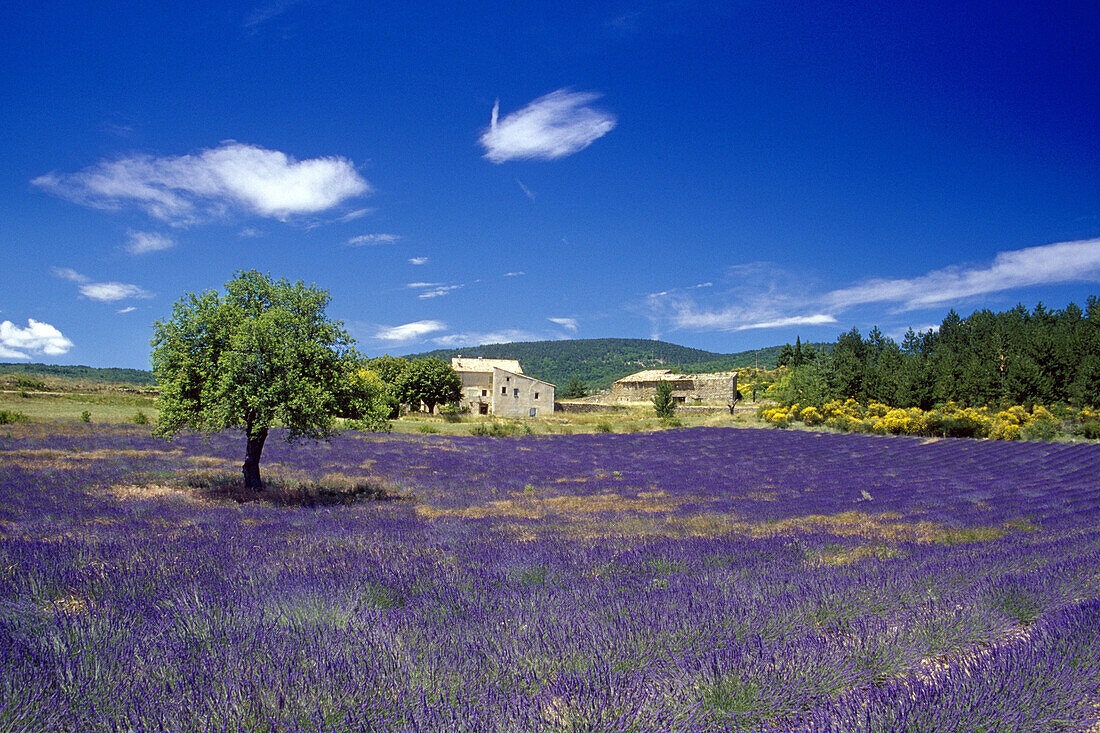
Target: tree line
1015,357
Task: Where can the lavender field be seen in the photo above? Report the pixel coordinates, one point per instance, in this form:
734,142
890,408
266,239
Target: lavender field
684,580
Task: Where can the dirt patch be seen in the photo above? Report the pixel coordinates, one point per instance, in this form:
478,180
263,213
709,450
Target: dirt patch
536,507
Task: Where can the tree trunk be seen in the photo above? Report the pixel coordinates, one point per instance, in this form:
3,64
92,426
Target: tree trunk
251,468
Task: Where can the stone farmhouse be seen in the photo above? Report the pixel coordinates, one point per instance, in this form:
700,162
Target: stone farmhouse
499,387
715,388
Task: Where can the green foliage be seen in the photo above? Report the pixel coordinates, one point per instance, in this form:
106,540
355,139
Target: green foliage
604,427
86,416
8,417
366,401
262,353
430,381
388,368
79,373
575,389
1012,358
497,429
140,418
663,401
454,411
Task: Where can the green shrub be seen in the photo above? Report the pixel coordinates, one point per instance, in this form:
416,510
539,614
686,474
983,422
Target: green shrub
671,422
603,426
497,429
140,418
8,417
453,411
1089,429
86,416
427,428
664,404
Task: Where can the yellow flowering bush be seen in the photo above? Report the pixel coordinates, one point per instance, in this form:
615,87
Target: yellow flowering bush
952,420
811,416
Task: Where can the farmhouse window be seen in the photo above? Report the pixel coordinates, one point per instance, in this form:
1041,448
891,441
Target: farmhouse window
515,392
504,390
533,411
536,395
484,393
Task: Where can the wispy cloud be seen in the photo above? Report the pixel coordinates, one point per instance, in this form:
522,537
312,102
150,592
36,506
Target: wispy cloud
409,331
36,338
111,291
104,292
353,215
140,243
554,126
68,273
514,274
817,319
432,290
127,309
569,324
187,189
369,239
418,260
487,337
260,15
1047,264
526,191
249,233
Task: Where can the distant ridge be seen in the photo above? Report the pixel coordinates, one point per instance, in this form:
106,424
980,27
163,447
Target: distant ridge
599,362
98,375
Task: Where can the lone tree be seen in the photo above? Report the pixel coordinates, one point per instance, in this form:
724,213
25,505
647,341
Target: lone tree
575,389
262,353
663,402
430,381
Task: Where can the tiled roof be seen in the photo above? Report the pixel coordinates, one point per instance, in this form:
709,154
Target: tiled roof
477,364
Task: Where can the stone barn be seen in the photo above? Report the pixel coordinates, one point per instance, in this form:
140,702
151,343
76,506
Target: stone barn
715,388
499,387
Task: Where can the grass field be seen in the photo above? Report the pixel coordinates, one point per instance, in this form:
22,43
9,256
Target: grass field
688,579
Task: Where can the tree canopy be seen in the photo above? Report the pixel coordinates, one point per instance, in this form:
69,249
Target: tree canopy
262,353
1014,357
430,381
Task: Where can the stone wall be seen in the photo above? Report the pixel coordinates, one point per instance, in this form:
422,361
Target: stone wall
686,389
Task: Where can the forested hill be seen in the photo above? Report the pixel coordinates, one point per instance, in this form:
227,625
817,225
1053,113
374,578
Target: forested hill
97,375
599,362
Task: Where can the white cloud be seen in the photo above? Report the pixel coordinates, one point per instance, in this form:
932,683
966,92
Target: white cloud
432,290
1043,265
418,260
260,15
437,292
817,319
249,233
365,239
145,242
103,292
514,274
187,189
37,338
127,309
569,324
490,337
526,191
409,331
353,215
68,273
558,124
112,291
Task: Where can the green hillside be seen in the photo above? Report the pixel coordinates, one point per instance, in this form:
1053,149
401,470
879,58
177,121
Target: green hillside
84,374
599,362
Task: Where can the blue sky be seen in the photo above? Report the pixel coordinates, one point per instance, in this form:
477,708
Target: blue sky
721,175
